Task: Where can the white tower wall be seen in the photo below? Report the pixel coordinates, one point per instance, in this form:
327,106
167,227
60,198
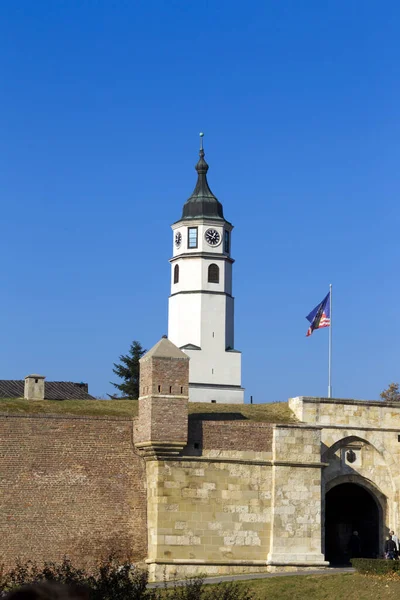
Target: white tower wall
201,305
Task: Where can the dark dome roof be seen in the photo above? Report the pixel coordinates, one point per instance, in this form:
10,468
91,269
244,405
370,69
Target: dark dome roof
202,202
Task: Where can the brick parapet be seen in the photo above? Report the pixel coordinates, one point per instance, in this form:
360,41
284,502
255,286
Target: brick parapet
164,375
231,435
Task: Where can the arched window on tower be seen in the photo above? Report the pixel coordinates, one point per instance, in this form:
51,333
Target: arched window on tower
176,274
213,274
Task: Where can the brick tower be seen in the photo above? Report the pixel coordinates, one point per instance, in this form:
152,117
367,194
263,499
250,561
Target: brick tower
162,426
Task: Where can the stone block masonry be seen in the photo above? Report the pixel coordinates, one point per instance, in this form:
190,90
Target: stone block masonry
193,495
250,502
296,497
213,513
70,486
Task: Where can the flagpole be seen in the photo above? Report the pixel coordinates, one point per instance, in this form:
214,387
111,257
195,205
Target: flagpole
330,346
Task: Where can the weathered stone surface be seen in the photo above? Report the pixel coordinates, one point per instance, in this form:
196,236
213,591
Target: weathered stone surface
222,497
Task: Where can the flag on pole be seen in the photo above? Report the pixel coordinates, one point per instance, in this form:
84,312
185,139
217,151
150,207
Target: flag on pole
320,316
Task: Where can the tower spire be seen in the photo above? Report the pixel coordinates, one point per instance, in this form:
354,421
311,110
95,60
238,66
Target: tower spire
202,202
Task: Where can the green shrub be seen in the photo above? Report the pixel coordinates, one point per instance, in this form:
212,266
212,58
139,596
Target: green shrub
191,589
108,581
375,566
112,581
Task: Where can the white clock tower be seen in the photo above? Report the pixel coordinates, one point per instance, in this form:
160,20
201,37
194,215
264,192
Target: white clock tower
201,305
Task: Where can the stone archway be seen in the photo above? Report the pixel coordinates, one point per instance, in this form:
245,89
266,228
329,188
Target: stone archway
351,506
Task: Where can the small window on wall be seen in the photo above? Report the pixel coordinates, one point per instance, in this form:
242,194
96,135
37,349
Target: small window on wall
192,237
213,274
227,244
176,274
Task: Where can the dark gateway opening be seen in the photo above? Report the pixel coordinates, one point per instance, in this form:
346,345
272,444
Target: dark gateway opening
348,508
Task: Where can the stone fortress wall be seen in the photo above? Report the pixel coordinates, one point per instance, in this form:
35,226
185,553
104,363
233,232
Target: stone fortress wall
371,431
70,486
246,497
228,496
188,494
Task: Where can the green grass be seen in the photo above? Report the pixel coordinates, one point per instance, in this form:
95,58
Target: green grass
347,586
96,408
276,412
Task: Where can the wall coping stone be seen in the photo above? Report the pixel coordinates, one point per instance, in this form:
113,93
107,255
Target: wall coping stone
359,428
65,417
298,426
245,461
292,463
323,400
346,427
240,422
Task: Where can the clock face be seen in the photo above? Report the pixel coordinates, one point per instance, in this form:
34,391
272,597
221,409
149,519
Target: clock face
178,239
212,237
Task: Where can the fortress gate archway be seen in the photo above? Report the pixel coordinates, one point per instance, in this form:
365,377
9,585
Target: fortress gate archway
349,507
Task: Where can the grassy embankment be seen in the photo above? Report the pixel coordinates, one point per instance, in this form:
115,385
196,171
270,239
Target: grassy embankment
347,586
276,412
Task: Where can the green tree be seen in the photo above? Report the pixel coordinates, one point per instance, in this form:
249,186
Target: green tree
391,394
128,370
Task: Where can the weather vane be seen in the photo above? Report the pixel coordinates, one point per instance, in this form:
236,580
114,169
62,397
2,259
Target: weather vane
201,134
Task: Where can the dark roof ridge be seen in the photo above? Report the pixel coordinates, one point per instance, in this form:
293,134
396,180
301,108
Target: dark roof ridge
53,390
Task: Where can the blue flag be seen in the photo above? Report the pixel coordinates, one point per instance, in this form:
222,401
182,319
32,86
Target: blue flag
320,316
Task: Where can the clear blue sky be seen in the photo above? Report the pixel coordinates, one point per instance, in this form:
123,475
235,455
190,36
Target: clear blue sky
101,106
